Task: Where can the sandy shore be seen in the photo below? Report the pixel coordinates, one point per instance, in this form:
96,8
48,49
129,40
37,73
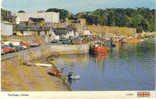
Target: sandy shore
19,77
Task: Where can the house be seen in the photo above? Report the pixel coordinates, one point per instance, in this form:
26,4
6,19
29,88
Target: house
86,32
58,33
49,17
6,28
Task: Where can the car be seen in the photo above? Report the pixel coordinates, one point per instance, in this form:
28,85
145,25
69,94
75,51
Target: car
2,52
37,42
66,41
34,43
7,49
54,41
24,45
18,48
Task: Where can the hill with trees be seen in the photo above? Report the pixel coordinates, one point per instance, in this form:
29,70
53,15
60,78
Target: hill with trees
141,18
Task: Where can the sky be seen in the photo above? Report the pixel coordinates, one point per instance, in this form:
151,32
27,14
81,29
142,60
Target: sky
74,6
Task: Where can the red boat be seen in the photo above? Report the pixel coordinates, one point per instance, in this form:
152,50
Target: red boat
96,49
102,49
56,72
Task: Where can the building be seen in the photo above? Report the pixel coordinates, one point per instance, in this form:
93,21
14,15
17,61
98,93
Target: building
87,32
49,17
6,28
59,33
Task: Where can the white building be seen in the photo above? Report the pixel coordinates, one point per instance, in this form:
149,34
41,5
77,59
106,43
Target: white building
6,29
49,17
86,32
54,36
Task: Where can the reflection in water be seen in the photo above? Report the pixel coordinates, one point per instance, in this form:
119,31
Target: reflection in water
127,67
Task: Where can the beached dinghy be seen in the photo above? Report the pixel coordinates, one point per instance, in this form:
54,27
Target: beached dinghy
56,72
37,64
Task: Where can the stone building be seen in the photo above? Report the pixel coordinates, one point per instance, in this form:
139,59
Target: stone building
49,17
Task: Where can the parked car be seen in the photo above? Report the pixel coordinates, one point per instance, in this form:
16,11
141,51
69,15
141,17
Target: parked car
54,41
7,49
2,52
34,43
37,42
24,45
18,48
67,41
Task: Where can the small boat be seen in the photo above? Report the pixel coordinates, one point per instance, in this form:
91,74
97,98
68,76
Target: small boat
56,72
98,49
134,40
73,76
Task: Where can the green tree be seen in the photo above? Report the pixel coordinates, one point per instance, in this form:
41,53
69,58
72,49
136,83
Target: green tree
139,29
21,11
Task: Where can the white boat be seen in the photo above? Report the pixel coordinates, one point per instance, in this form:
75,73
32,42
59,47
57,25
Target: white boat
75,77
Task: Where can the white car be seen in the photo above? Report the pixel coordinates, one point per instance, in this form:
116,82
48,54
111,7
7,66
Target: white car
2,52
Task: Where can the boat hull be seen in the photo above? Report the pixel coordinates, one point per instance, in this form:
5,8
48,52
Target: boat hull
98,50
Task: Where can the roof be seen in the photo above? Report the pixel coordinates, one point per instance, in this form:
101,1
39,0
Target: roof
60,31
31,28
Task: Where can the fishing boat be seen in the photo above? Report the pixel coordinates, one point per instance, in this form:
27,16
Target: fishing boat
98,48
134,40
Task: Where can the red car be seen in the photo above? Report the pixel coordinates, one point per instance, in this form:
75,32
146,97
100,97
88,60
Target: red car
35,41
25,45
7,49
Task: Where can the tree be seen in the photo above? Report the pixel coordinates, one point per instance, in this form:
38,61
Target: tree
139,29
21,11
140,18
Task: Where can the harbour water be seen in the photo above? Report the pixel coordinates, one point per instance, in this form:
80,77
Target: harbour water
127,67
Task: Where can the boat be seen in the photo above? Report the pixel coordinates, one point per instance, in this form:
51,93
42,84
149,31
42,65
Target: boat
75,77
72,76
134,40
98,48
56,72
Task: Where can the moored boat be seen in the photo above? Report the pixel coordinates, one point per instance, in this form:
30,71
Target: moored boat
134,40
98,48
